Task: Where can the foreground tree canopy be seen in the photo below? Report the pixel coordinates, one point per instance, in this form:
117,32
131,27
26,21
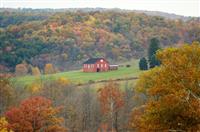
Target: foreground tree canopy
34,114
172,91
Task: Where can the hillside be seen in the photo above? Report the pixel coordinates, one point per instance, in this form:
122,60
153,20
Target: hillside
165,15
67,38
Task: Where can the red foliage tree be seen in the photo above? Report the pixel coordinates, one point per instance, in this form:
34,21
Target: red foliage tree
34,114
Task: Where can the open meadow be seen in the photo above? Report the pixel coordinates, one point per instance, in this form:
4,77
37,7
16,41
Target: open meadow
80,77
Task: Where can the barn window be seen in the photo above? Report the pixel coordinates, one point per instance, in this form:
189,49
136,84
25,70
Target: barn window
97,65
101,65
101,60
88,66
105,65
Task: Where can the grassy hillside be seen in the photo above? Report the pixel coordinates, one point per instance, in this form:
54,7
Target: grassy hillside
78,76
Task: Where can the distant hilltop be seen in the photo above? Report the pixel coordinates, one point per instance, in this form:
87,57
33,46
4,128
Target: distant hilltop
67,37
151,13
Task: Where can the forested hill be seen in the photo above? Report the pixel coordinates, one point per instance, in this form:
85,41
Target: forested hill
67,38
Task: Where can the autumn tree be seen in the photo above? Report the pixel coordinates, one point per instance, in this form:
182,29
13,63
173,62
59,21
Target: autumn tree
35,87
86,109
56,90
34,114
6,94
4,125
143,65
35,71
90,110
111,100
63,81
126,111
64,94
173,92
49,69
21,69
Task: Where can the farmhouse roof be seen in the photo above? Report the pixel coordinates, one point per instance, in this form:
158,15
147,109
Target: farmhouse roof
92,60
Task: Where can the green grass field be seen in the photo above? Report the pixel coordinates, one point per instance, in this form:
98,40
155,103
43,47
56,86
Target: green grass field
78,76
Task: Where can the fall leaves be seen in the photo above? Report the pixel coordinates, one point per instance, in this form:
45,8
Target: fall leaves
4,125
111,100
172,90
34,114
170,97
111,97
38,113
63,37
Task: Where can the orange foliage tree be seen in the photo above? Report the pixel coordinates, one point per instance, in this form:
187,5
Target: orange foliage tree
34,114
111,100
49,69
173,92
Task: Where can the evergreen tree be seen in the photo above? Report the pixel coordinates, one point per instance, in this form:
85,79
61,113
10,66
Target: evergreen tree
153,47
143,65
153,61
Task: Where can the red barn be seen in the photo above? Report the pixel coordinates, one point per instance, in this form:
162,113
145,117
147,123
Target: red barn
96,65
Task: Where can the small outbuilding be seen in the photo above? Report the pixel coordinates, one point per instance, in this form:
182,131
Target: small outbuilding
96,65
113,67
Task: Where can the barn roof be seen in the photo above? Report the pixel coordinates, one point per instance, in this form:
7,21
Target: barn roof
92,60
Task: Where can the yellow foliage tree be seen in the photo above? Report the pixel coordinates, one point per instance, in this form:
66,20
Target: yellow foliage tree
173,92
63,81
4,125
35,87
49,69
35,71
91,21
